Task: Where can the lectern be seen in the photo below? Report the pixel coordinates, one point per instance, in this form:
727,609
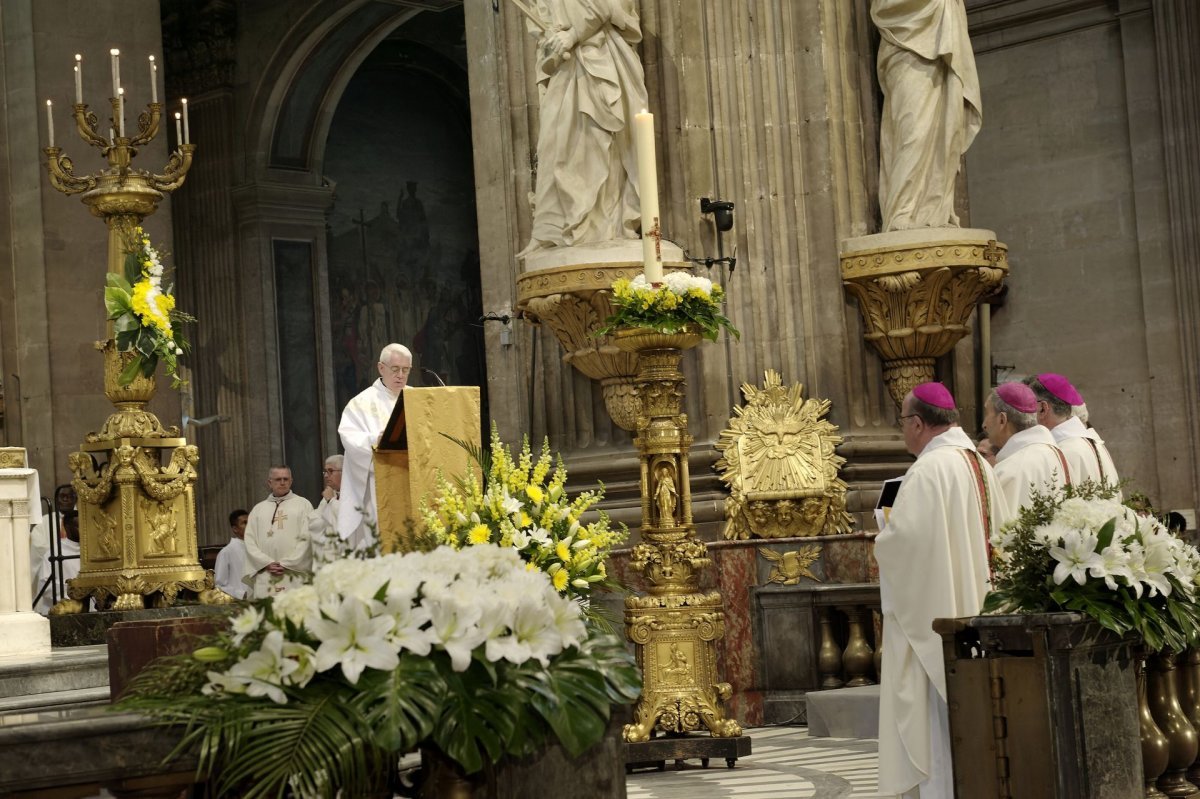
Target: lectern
420,440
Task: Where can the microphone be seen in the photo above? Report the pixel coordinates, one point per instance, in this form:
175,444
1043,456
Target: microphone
436,376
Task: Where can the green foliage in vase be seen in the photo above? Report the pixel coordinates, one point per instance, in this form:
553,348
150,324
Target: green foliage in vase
680,303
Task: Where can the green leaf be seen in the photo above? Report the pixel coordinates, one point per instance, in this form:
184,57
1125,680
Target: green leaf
402,705
130,371
477,717
126,322
117,302
133,268
149,364
146,342
114,280
1106,534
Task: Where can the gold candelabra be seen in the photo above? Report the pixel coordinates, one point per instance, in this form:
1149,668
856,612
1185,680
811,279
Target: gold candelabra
134,478
675,627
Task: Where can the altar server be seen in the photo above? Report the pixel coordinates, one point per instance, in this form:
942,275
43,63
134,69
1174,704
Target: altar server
933,563
1028,460
362,423
231,560
1087,457
278,555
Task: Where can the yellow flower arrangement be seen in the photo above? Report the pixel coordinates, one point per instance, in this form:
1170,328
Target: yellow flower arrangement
522,503
142,310
681,301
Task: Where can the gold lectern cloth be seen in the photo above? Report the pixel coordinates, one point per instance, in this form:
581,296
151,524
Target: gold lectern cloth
403,477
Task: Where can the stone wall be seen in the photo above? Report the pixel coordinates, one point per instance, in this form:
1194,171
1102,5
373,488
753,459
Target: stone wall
1084,105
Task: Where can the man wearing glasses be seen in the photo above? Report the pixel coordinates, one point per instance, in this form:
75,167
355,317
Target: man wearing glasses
362,424
322,524
933,563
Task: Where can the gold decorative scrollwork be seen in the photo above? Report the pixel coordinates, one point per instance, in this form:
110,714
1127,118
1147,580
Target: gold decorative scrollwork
789,567
779,459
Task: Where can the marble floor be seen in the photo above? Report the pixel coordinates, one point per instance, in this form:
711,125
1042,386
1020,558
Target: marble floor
786,764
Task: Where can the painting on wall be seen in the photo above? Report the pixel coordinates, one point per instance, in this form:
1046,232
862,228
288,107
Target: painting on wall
403,246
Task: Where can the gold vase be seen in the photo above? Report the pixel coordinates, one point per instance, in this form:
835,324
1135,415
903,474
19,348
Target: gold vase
1182,743
1155,747
1189,673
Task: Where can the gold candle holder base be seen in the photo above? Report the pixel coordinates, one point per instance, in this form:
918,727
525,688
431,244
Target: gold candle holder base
676,627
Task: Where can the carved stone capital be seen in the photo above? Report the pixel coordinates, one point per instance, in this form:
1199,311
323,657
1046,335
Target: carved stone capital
12,457
573,300
916,290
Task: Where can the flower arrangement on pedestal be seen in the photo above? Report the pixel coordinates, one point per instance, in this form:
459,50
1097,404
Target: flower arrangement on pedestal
142,309
1080,549
680,303
522,504
319,690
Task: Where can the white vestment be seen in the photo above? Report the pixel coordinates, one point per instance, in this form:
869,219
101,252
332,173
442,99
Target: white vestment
277,532
322,531
231,568
70,570
933,563
361,426
1029,462
1086,455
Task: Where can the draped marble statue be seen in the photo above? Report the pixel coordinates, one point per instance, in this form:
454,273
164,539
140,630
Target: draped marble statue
592,85
931,109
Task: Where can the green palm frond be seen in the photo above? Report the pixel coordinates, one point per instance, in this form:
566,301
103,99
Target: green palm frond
313,747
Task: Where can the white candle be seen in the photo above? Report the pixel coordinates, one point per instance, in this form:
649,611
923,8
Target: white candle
121,111
112,136
50,121
78,78
178,129
153,81
187,134
116,70
643,132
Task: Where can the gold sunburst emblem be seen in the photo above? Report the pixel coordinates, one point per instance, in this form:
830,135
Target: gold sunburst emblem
779,460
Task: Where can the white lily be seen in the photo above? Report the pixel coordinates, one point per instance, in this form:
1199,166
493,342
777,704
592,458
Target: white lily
264,671
354,640
1076,555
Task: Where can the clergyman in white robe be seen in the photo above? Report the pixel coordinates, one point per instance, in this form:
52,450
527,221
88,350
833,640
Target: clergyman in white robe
277,533
361,425
1028,462
933,563
1087,457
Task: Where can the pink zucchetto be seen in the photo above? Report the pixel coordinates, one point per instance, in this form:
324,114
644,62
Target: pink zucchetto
1019,396
934,394
1060,387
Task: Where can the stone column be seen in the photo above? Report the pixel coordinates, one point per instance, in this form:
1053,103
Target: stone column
22,632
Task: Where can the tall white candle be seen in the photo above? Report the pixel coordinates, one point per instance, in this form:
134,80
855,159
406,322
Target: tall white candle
153,81
116,70
178,129
50,121
187,133
643,132
78,78
121,111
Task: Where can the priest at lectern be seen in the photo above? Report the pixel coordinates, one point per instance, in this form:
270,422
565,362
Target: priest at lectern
362,423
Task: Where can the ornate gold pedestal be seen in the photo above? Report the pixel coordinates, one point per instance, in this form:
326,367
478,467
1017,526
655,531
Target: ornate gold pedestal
676,625
916,290
134,478
574,299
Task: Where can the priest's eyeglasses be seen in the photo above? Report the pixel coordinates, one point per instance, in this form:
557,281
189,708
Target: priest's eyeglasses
329,471
399,370
901,417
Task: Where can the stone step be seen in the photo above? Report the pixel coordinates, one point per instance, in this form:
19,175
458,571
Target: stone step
64,669
55,700
844,713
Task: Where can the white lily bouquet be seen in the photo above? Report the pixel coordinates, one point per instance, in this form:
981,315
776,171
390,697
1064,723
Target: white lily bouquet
1080,549
321,688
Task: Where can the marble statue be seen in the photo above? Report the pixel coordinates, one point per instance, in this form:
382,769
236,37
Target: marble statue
592,85
931,109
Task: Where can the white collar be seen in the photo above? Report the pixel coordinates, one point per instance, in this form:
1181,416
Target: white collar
383,389
954,437
1073,428
1034,435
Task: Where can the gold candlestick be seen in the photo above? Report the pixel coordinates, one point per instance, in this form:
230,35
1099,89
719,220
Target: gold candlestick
676,627
134,478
